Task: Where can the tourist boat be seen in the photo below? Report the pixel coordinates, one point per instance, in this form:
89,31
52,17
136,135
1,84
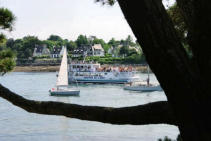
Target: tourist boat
62,87
89,72
143,86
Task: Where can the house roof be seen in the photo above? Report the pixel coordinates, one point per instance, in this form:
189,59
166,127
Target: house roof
97,46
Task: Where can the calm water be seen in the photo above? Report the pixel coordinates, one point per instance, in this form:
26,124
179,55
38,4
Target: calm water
19,125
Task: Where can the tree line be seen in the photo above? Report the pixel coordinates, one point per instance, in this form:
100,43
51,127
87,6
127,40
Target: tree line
24,47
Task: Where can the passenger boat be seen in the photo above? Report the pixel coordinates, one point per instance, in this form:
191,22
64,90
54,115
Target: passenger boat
89,72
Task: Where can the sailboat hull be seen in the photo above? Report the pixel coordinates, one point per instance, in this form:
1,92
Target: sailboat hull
65,92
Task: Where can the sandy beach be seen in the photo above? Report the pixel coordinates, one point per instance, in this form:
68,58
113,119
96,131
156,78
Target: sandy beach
36,68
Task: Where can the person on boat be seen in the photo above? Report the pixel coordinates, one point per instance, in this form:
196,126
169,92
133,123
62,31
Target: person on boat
130,83
147,81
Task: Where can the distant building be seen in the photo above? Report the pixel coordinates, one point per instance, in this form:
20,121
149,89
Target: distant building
57,52
88,50
41,50
91,38
83,50
98,50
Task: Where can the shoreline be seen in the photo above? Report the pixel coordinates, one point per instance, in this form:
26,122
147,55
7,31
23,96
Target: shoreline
56,68
36,69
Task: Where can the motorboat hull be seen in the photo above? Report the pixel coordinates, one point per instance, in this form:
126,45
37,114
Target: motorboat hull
143,88
101,81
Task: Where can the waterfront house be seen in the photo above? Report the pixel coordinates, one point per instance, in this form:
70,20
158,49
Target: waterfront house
83,50
41,50
88,50
97,50
57,52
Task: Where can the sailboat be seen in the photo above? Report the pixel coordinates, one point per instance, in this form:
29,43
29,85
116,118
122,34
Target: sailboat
147,87
62,88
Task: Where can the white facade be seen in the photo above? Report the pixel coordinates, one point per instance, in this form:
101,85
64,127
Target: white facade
40,50
98,50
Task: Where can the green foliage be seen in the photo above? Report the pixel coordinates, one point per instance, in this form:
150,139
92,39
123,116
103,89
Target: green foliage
82,40
129,41
57,40
24,48
178,21
41,57
10,43
7,61
71,45
50,44
132,51
124,50
133,59
113,42
54,38
180,26
6,19
2,38
28,46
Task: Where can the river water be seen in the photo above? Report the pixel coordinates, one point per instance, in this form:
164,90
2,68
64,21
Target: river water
19,125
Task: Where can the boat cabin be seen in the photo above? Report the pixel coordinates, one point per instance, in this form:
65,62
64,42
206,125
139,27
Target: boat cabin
83,67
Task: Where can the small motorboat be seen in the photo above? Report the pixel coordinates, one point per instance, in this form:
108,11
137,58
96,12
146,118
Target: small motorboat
144,87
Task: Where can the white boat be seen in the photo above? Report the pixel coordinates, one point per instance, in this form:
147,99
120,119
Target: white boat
144,87
84,72
62,88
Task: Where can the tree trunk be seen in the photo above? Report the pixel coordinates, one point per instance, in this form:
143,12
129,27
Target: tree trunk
166,56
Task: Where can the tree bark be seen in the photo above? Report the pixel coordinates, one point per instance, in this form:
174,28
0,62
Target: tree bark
168,60
152,113
199,32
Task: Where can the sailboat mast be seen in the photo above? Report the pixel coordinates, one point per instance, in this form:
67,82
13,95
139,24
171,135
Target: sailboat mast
148,75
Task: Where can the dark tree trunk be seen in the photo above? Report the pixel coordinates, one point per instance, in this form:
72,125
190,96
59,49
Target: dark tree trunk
185,85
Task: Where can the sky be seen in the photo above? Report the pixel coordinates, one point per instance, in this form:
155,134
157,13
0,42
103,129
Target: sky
66,18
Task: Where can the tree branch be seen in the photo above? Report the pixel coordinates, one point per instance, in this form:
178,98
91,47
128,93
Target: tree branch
152,113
